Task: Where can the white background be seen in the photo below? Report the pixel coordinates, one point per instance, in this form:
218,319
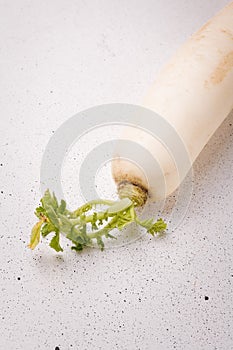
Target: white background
56,59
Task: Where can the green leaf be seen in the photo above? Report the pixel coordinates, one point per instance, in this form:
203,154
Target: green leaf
55,243
83,209
51,214
93,222
35,234
108,235
54,201
62,207
100,243
100,222
78,247
124,219
158,227
47,200
40,211
76,236
65,223
47,228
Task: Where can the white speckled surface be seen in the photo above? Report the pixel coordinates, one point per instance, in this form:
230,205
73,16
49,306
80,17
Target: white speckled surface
58,58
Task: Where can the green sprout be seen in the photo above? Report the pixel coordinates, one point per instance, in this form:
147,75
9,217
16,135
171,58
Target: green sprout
86,226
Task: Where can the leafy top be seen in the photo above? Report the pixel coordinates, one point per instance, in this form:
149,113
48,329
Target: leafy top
86,225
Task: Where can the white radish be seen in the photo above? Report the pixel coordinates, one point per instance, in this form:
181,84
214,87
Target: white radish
194,94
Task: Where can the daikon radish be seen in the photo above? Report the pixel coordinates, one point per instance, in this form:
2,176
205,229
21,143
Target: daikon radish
194,94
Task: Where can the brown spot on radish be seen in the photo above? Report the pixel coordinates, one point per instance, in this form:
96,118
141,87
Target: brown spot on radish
203,28
223,68
228,33
199,37
200,33
121,177
120,174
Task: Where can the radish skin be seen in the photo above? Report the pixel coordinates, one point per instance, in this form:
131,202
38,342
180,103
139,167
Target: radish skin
194,94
